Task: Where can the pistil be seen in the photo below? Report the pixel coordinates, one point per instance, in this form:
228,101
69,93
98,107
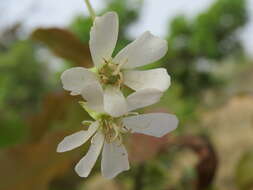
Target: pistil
110,74
112,129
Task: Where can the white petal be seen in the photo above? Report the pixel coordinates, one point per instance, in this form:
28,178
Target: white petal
115,103
144,50
77,139
76,78
103,37
143,98
154,124
93,94
85,165
114,160
155,78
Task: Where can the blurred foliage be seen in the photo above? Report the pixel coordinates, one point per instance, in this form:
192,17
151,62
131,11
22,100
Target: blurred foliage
195,45
35,114
33,166
244,172
22,85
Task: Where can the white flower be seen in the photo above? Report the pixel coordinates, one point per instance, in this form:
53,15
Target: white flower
107,101
113,73
101,88
106,133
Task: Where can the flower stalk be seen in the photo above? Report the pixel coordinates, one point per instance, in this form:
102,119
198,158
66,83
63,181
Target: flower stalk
90,9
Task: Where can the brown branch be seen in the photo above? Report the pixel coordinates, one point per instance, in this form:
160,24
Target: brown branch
138,184
207,164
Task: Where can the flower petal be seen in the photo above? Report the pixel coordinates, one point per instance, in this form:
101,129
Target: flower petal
93,94
76,78
155,78
103,37
154,124
85,165
115,103
143,98
114,159
144,50
77,139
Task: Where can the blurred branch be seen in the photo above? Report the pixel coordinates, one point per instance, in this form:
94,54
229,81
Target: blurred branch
200,145
65,45
208,161
138,182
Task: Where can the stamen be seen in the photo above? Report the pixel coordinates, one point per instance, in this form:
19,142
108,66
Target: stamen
110,73
87,122
116,131
105,60
120,140
132,114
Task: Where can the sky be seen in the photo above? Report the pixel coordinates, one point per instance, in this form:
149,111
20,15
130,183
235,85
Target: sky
154,15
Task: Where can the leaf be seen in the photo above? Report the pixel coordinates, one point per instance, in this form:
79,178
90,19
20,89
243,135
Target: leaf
244,171
34,166
65,45
55,106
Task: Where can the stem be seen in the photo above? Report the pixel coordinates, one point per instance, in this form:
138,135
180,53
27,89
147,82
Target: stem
138,185
90,9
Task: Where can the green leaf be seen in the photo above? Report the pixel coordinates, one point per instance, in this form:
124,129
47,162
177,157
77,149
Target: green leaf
244,172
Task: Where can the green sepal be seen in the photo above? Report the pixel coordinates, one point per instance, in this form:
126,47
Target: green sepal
94,69
93,114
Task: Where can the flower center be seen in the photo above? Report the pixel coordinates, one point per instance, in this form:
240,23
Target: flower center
112,128
110,74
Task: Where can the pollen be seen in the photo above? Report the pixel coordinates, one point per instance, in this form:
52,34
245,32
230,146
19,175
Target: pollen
110,74
112,128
